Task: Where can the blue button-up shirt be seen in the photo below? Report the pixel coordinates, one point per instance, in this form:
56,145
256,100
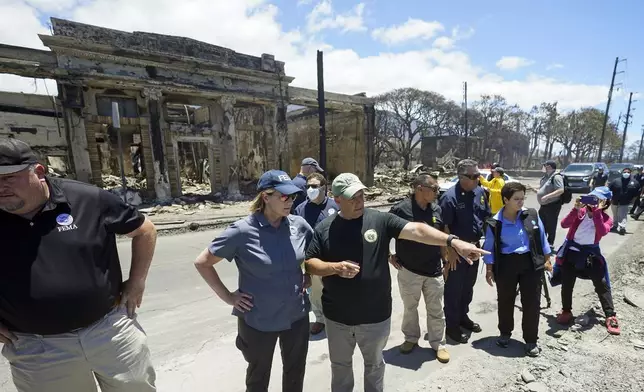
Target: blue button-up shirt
514,238
316,213
270,262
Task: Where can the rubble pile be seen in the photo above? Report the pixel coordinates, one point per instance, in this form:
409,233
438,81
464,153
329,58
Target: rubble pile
393,184
192,204
111,182
189,186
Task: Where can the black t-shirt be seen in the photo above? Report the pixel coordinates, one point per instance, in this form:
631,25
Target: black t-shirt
599,179
365,299
61,270
419,258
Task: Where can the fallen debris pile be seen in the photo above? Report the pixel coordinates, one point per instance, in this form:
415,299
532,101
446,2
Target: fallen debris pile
394,184
111,182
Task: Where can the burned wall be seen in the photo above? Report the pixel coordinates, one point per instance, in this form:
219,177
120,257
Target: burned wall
345,139
253,141
435,147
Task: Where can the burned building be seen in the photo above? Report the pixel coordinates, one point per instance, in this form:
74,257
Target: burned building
187,109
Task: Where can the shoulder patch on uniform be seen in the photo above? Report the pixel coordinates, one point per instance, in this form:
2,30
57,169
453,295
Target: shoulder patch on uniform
331,211
370,236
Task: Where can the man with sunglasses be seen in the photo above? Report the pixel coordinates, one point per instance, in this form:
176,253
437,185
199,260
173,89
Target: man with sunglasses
314,210
420,269
465,207
350,251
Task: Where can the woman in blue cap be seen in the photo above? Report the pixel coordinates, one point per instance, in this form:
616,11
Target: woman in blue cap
271,303
580,256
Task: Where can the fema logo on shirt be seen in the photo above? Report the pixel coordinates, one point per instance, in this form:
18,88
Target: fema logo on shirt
64,219
65,222
482,200
331,211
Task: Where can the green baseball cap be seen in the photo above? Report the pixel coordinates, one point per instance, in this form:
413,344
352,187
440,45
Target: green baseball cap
346,185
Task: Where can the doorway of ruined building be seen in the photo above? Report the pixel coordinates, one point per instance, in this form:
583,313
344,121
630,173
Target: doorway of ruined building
194,156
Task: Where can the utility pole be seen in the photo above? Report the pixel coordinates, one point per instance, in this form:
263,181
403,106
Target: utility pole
467,153
321,109
610,97
639,153
626,121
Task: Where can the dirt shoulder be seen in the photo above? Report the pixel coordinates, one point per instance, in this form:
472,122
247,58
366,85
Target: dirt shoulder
582,358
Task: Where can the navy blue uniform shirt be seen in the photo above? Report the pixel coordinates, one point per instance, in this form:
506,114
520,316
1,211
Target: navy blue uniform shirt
300,182
464,213
316,213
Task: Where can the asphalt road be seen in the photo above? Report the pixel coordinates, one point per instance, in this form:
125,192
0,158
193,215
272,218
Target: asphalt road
191,332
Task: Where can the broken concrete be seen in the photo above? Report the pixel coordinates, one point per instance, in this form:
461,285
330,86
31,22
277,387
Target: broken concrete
152,77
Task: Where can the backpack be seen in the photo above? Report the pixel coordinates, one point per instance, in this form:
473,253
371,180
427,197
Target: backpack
566,196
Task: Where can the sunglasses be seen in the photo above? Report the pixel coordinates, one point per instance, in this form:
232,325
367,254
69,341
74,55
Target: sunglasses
472,176
313,186
285,198
433,188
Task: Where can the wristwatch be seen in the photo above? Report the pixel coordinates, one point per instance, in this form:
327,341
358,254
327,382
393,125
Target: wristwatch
451,238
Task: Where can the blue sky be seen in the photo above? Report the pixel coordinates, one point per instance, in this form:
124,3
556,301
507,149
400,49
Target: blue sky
552,50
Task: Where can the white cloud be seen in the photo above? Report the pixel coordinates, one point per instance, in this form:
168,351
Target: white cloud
252,26
444,42
51,5
323,17
513,62
554,66
304,2
412,29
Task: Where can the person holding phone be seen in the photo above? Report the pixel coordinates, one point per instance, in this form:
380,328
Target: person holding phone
580,256
271,303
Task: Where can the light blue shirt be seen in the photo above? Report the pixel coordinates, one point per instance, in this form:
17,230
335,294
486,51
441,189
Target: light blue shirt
514,238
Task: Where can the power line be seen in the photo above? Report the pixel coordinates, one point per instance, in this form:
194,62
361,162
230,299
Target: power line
610,97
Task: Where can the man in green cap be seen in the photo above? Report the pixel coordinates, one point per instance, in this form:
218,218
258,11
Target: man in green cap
350,251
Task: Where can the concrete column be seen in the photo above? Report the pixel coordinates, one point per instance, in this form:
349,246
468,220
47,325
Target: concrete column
269,131
229,137
154,101
77,140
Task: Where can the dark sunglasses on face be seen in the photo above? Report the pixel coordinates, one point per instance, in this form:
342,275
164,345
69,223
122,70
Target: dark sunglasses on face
314,186
433,188
285,198
472,176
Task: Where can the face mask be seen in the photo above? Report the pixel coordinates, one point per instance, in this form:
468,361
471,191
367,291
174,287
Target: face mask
543,169
313,193
626,175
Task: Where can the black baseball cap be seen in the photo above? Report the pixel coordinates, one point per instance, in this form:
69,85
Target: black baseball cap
15,156
312,162
278,180
550,163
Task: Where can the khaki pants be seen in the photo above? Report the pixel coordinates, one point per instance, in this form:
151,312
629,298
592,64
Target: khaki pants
411,287
112,351
371,340
316,298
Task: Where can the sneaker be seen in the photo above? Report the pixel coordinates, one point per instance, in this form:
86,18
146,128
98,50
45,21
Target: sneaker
622,231
565,317
503,341
613,229
612,325
407,347
442,355
532,350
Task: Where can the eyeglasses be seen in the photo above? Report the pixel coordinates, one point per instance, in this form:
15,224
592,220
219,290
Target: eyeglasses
474,176
313,186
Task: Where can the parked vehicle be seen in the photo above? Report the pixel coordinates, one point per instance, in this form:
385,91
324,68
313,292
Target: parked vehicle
445,185
580,174
615,170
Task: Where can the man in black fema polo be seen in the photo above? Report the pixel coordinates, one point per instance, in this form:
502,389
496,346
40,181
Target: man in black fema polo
67,319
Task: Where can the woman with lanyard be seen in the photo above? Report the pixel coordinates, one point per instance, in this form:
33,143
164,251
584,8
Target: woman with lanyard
268,247
513,260
580,256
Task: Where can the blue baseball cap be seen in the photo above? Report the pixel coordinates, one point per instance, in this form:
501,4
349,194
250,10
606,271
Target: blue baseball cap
602,193
278,180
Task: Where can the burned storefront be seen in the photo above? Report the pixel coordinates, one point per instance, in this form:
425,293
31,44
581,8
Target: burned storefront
194,117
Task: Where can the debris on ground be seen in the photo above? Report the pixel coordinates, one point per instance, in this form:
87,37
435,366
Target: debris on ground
111,182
